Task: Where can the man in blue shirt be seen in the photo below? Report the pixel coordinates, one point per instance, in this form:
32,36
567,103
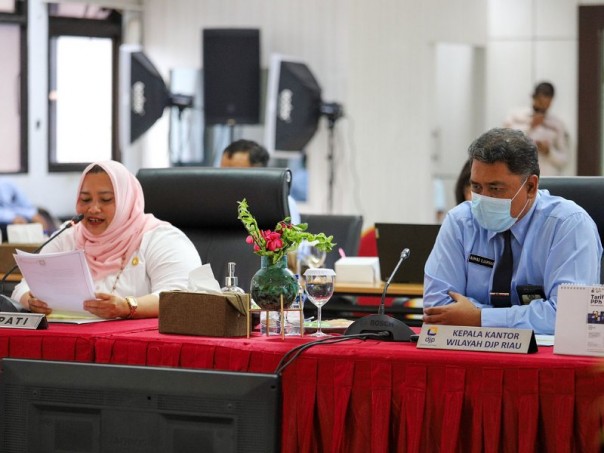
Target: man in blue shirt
247,153
553,241
15,207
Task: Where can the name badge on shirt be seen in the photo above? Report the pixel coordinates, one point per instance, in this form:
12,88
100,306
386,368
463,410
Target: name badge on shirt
528,293
481,260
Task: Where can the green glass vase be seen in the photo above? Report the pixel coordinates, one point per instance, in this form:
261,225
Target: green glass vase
270,282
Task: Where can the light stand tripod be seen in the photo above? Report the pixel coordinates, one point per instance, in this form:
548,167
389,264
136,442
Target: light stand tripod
181,102
333,112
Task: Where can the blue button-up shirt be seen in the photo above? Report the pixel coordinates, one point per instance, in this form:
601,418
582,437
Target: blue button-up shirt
555,242
13,202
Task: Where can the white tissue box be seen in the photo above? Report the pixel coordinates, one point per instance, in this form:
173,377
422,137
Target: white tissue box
27,233
358,269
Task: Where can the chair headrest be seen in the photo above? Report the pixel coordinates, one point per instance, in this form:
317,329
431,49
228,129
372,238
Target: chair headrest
206,197
586,191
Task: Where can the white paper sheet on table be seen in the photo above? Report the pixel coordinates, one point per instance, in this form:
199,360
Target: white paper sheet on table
544,340
61,279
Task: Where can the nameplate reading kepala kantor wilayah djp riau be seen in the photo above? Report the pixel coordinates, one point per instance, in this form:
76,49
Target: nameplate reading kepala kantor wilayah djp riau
484,339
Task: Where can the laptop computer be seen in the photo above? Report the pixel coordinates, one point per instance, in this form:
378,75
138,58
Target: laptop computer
392,238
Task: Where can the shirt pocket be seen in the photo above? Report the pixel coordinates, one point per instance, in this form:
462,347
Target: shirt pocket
478,281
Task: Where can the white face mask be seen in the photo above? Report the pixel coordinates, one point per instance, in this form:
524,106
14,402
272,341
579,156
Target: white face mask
494,214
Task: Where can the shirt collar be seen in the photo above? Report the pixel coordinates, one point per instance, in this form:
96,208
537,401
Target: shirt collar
520,228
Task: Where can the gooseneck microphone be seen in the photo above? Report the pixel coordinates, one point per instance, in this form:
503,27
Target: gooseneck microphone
397,330
5,302
404,255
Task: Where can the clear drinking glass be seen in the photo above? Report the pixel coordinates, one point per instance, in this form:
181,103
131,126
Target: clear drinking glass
309,257
319,285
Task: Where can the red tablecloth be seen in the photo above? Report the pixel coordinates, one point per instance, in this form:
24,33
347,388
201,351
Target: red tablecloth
382,397
61,341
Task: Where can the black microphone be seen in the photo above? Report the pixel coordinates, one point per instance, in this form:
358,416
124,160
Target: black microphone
397,330
404,255
6,302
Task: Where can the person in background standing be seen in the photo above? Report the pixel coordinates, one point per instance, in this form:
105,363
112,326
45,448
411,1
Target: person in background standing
547,131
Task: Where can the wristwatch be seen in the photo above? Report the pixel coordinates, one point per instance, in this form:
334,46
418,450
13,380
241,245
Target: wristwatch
132,305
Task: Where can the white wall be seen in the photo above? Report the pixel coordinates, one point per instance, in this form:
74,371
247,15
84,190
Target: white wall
375,57
458,112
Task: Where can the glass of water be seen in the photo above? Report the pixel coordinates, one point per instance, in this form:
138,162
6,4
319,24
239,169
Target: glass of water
308,256
319,289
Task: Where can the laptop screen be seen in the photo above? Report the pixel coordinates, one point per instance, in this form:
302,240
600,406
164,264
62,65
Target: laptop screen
392,238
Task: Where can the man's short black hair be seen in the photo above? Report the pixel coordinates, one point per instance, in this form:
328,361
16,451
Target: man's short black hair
510,146
544,89
257,153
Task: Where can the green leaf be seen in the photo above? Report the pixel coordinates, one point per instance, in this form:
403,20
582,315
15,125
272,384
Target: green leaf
291,235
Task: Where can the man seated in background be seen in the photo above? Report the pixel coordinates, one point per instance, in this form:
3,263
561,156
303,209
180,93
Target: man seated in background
244,153
247,153
15,208
551,241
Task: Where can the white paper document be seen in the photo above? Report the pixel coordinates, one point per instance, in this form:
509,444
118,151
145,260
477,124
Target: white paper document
580,320
61,279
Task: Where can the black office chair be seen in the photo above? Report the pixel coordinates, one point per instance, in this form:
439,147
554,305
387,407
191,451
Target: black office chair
586,191
202,202
345,229
346,232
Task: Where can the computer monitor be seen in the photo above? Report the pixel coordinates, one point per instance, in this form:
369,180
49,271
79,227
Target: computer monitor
55,406
143,95
293,105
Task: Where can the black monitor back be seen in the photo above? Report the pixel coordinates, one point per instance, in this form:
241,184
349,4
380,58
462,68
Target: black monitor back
392,238
52,406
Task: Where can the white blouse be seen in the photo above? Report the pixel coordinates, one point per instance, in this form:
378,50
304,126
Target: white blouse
162,263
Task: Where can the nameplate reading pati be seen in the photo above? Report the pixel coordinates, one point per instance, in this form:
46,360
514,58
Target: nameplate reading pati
31,321
486,339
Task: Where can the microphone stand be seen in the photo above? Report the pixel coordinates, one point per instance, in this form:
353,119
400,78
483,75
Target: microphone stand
4,299
397,330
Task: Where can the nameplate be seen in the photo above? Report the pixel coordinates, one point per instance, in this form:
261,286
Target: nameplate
33,321
484,339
